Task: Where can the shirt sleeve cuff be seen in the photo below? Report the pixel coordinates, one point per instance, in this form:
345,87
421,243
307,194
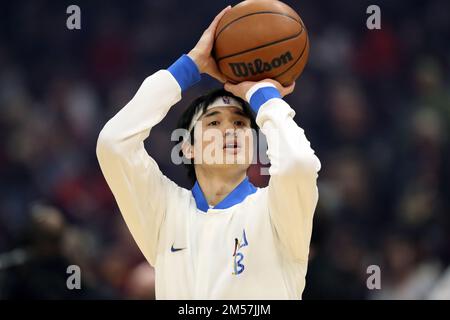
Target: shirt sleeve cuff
260,93
185,71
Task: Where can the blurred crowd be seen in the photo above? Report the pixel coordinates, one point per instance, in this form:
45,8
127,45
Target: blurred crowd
375,105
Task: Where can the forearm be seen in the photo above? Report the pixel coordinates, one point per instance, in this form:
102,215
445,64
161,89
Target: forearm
134,178
292,190
289,150
157,94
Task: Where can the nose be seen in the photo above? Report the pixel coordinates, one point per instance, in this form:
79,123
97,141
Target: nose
229,129
230,132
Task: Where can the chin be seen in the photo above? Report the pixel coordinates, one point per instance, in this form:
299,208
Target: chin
236,160
232,166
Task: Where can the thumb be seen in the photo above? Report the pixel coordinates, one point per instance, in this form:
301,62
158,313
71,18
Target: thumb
229,86
215,72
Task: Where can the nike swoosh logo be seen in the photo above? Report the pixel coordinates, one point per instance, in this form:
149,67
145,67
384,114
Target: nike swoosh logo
176,249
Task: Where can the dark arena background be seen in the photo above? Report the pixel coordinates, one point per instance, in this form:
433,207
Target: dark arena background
375,105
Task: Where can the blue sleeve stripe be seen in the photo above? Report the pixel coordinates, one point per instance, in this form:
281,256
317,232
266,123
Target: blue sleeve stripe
185,71
263,95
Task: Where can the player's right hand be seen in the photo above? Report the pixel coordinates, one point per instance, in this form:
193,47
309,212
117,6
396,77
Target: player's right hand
201,53
240,89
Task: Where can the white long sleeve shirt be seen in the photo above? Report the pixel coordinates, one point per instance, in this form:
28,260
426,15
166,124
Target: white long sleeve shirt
254,248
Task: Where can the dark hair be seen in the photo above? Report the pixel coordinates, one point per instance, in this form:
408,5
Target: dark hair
203,102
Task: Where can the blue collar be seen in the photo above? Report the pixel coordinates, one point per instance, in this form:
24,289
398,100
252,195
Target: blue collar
244,189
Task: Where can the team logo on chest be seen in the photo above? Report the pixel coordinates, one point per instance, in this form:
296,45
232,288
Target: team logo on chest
238,256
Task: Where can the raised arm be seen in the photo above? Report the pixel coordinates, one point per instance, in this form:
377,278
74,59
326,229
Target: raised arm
140,189
292,190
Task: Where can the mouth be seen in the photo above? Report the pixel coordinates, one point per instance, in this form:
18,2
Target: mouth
231,146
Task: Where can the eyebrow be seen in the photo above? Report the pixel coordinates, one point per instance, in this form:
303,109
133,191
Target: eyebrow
213,113
241,113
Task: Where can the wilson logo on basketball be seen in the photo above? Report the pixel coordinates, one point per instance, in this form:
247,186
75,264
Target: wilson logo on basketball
243,69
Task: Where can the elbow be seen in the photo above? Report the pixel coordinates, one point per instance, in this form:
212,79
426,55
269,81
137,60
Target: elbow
305,165
107,143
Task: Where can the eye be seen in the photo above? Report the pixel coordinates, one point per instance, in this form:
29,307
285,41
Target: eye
239,123
213,123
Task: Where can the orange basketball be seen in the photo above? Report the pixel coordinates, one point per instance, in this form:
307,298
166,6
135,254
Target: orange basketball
259,39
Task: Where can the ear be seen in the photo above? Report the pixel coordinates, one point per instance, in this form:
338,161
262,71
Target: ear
188,150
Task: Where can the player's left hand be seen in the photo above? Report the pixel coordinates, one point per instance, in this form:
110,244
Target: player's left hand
201,53
241,89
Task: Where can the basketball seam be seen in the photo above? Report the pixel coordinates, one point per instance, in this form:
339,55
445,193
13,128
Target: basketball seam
301,55
262,46
254,13
279,75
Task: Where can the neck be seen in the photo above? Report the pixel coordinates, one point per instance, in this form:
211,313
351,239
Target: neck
216,184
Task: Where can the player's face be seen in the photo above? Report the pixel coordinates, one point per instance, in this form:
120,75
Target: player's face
224,139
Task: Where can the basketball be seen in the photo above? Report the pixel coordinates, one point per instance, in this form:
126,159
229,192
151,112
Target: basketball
259,39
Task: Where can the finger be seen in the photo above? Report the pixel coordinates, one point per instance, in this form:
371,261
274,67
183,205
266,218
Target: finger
208,34
219,77
284,89
290,88
230,87
220,15
216,20
215,72
275,83
287,90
